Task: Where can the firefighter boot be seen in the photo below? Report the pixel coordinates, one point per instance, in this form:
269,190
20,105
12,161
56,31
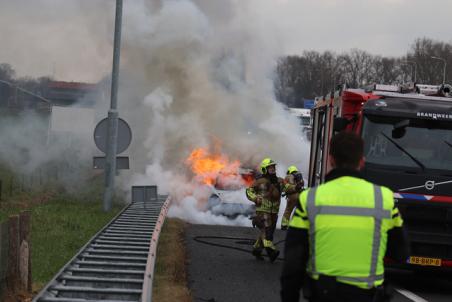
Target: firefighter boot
272,252
257,250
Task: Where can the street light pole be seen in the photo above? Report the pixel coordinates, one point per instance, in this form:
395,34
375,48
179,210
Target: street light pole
415,67
445,64
112,138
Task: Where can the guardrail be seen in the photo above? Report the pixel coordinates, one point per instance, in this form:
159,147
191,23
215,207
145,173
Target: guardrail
117,264
150,265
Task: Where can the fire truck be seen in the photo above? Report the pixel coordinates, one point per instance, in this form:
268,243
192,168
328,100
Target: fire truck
407,133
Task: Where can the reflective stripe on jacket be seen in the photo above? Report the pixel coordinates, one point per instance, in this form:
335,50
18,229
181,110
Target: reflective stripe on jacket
269,192
347,219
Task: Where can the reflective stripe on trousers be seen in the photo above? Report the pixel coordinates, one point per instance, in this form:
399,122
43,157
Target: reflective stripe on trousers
377,212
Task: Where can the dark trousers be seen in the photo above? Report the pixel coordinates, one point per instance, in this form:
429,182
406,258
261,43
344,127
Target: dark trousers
329,290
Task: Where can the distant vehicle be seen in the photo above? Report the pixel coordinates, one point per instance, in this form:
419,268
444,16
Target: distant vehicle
407,133
304,115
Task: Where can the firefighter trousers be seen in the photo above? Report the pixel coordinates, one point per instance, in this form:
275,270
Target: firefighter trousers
266,223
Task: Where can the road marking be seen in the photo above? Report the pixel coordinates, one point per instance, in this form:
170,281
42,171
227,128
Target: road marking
410,295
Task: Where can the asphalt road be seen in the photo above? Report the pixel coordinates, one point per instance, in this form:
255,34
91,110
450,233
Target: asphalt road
221,269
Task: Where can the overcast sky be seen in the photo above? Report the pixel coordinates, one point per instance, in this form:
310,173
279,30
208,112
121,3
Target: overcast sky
71,39
386,27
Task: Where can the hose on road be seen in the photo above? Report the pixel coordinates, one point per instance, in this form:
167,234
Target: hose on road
238,240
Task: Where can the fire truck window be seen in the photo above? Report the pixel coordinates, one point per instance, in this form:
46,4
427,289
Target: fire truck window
428,141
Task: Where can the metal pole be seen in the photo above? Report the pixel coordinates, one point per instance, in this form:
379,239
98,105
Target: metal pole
444,70
415,67
112,140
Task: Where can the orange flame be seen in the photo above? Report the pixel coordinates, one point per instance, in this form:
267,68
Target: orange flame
207,167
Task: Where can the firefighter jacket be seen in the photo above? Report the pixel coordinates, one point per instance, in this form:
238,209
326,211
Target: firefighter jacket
269,192
293,187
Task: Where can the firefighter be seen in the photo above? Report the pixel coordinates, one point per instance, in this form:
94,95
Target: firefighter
265,192
340,232
293,186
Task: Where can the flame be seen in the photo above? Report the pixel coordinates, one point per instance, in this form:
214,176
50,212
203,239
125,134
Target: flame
208,167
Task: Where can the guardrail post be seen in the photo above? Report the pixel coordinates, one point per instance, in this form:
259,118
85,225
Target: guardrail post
12,273
4,243
25,251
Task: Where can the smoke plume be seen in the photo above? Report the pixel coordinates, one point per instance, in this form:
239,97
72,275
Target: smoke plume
202,79
194,74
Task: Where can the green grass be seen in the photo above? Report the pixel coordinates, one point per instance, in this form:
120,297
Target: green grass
59,229
61,223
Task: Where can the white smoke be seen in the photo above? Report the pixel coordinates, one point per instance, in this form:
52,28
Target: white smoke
32,148
202,80
192,73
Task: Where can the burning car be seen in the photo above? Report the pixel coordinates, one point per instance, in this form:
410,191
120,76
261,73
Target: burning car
227,181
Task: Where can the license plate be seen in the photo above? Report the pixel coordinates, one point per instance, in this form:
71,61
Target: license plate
425,261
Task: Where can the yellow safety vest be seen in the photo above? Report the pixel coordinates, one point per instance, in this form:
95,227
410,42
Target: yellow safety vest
348,220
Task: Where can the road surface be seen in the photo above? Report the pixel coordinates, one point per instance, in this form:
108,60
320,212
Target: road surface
221,269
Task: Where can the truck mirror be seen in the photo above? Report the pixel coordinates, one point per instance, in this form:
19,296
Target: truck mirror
340,123
398,133
400,129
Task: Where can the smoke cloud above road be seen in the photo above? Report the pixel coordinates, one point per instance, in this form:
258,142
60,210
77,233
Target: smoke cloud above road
204,79
194,74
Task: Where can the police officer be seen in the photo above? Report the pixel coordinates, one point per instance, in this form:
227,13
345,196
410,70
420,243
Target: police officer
265,192
293,186
340,232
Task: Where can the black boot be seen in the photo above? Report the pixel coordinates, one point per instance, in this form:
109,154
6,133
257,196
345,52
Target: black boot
272,254
258,254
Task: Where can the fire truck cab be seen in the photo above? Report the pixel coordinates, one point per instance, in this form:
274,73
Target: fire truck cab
407,132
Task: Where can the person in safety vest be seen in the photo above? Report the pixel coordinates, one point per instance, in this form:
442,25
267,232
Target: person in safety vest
340,232
265,192
292,188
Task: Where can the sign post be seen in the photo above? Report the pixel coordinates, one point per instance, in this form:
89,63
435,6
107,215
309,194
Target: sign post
110,166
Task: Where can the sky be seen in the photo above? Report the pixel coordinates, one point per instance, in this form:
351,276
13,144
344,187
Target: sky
72,39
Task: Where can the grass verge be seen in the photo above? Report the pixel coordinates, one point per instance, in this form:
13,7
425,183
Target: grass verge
59,229
60,225
170,282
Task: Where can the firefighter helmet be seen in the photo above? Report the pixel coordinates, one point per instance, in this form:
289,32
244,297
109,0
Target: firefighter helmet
266,162
291,170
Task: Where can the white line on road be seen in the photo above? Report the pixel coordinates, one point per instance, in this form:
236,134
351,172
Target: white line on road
410,295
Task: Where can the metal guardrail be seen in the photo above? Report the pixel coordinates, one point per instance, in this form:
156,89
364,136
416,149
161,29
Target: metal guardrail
150,265
113,266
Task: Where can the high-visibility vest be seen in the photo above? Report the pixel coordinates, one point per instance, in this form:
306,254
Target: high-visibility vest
348,220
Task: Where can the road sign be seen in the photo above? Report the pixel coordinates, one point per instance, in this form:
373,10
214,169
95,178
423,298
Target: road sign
101,135
122,162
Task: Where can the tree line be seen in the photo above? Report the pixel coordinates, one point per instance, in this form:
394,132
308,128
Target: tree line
314,73
35,85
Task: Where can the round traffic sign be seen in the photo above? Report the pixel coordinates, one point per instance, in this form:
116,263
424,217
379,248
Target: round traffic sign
101,135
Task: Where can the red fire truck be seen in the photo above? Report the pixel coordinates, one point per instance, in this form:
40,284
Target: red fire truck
407,130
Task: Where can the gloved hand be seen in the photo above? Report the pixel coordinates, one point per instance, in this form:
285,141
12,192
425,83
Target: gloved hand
299,187
258,201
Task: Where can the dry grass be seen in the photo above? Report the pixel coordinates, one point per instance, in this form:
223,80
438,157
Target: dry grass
170,282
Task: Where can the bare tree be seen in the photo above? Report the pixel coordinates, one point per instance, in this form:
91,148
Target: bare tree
314,74
429,70
7,73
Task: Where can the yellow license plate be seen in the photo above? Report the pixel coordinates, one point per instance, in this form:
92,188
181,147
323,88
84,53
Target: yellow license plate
425,261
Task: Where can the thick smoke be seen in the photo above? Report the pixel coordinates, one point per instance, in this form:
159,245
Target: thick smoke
201,80
193,74
32,147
